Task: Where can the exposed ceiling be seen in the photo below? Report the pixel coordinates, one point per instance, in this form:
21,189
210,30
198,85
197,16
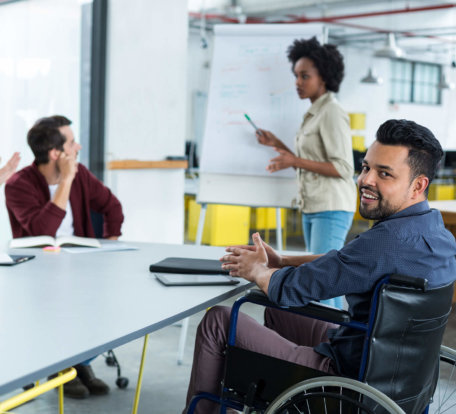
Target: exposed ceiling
426,30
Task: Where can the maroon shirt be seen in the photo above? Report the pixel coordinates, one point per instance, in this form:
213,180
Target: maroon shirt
31,212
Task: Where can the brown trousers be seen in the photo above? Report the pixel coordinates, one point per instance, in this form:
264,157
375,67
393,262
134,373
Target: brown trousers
286,336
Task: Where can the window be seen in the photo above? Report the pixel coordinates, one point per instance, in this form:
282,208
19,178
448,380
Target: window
415,82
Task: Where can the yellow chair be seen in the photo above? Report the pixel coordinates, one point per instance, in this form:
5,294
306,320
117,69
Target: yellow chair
224,224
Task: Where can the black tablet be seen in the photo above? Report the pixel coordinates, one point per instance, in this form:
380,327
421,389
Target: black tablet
179,279
16,260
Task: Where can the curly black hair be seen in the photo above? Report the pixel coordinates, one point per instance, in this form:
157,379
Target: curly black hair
326,58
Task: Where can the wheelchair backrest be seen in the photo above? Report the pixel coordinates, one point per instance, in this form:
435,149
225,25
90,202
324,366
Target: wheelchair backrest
403,349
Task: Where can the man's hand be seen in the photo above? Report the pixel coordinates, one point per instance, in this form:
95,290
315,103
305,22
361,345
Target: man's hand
286,159
274,259
250,264
68,167
10,167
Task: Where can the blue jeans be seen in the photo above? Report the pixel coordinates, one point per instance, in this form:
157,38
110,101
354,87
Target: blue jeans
86,363
325,231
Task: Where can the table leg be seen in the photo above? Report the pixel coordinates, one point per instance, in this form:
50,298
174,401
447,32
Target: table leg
60,389
182,340
140,375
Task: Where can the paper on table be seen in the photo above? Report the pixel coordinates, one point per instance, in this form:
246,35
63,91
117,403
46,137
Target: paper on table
106,246
5,258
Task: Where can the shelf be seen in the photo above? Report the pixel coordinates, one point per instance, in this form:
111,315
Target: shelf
141,165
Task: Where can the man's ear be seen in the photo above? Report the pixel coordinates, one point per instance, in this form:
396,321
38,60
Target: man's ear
54,154
419,186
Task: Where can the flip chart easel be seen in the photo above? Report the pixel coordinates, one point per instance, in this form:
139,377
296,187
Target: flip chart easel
250,74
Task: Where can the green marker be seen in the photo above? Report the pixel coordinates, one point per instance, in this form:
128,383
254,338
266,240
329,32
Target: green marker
251,123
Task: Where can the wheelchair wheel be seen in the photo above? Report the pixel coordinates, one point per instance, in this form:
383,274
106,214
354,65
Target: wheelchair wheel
332,395
444,400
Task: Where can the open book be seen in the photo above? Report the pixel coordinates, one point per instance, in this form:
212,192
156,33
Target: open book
39,241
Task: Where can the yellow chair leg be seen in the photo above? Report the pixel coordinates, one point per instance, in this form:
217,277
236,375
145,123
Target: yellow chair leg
140,375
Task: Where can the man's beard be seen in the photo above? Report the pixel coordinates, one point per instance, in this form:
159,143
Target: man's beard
384,208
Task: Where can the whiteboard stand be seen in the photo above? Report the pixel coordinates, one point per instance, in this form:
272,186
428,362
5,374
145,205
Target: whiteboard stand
184,326
201,220
279,229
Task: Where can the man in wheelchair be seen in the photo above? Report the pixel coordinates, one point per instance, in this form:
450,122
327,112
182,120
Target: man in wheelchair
407,238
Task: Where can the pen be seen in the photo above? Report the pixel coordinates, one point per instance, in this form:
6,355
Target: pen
251,123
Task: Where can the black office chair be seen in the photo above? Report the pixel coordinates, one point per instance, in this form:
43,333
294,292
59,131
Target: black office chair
110,356
399,370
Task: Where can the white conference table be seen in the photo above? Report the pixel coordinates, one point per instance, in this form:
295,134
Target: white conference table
60,309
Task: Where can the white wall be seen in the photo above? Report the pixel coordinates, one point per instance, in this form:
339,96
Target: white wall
373,100
145,114
39,74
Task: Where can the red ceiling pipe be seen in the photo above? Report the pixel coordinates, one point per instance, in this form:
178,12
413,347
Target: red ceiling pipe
403,33
335,19
330,19
375,14
223,18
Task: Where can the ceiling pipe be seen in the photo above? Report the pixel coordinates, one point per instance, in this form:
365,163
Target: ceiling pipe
336,19
330,19
386,31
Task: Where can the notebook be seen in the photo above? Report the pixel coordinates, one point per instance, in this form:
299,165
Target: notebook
185,265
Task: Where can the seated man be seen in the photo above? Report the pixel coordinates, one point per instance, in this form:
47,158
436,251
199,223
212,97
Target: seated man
54,196
408,238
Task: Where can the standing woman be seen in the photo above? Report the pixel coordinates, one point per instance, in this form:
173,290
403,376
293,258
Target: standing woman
324,156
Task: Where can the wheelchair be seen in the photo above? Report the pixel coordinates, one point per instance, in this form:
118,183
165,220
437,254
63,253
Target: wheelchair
404,368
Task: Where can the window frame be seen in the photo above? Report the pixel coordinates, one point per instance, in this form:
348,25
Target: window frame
414,84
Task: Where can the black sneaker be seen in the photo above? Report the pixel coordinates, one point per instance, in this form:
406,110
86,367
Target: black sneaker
74,388
95,385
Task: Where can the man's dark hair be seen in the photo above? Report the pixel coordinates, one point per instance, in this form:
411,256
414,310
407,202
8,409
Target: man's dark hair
425,151
326,58
45,135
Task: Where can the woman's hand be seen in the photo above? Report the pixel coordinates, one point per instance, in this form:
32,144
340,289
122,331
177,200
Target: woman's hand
10,167
267,138
284,160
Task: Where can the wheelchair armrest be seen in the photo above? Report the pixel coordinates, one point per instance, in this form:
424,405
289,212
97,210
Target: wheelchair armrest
312,309
403,280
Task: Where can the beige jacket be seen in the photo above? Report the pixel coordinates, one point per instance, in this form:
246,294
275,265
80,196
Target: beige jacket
325,136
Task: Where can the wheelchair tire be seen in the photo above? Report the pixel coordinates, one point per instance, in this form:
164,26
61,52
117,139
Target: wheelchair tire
444,400
332,394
